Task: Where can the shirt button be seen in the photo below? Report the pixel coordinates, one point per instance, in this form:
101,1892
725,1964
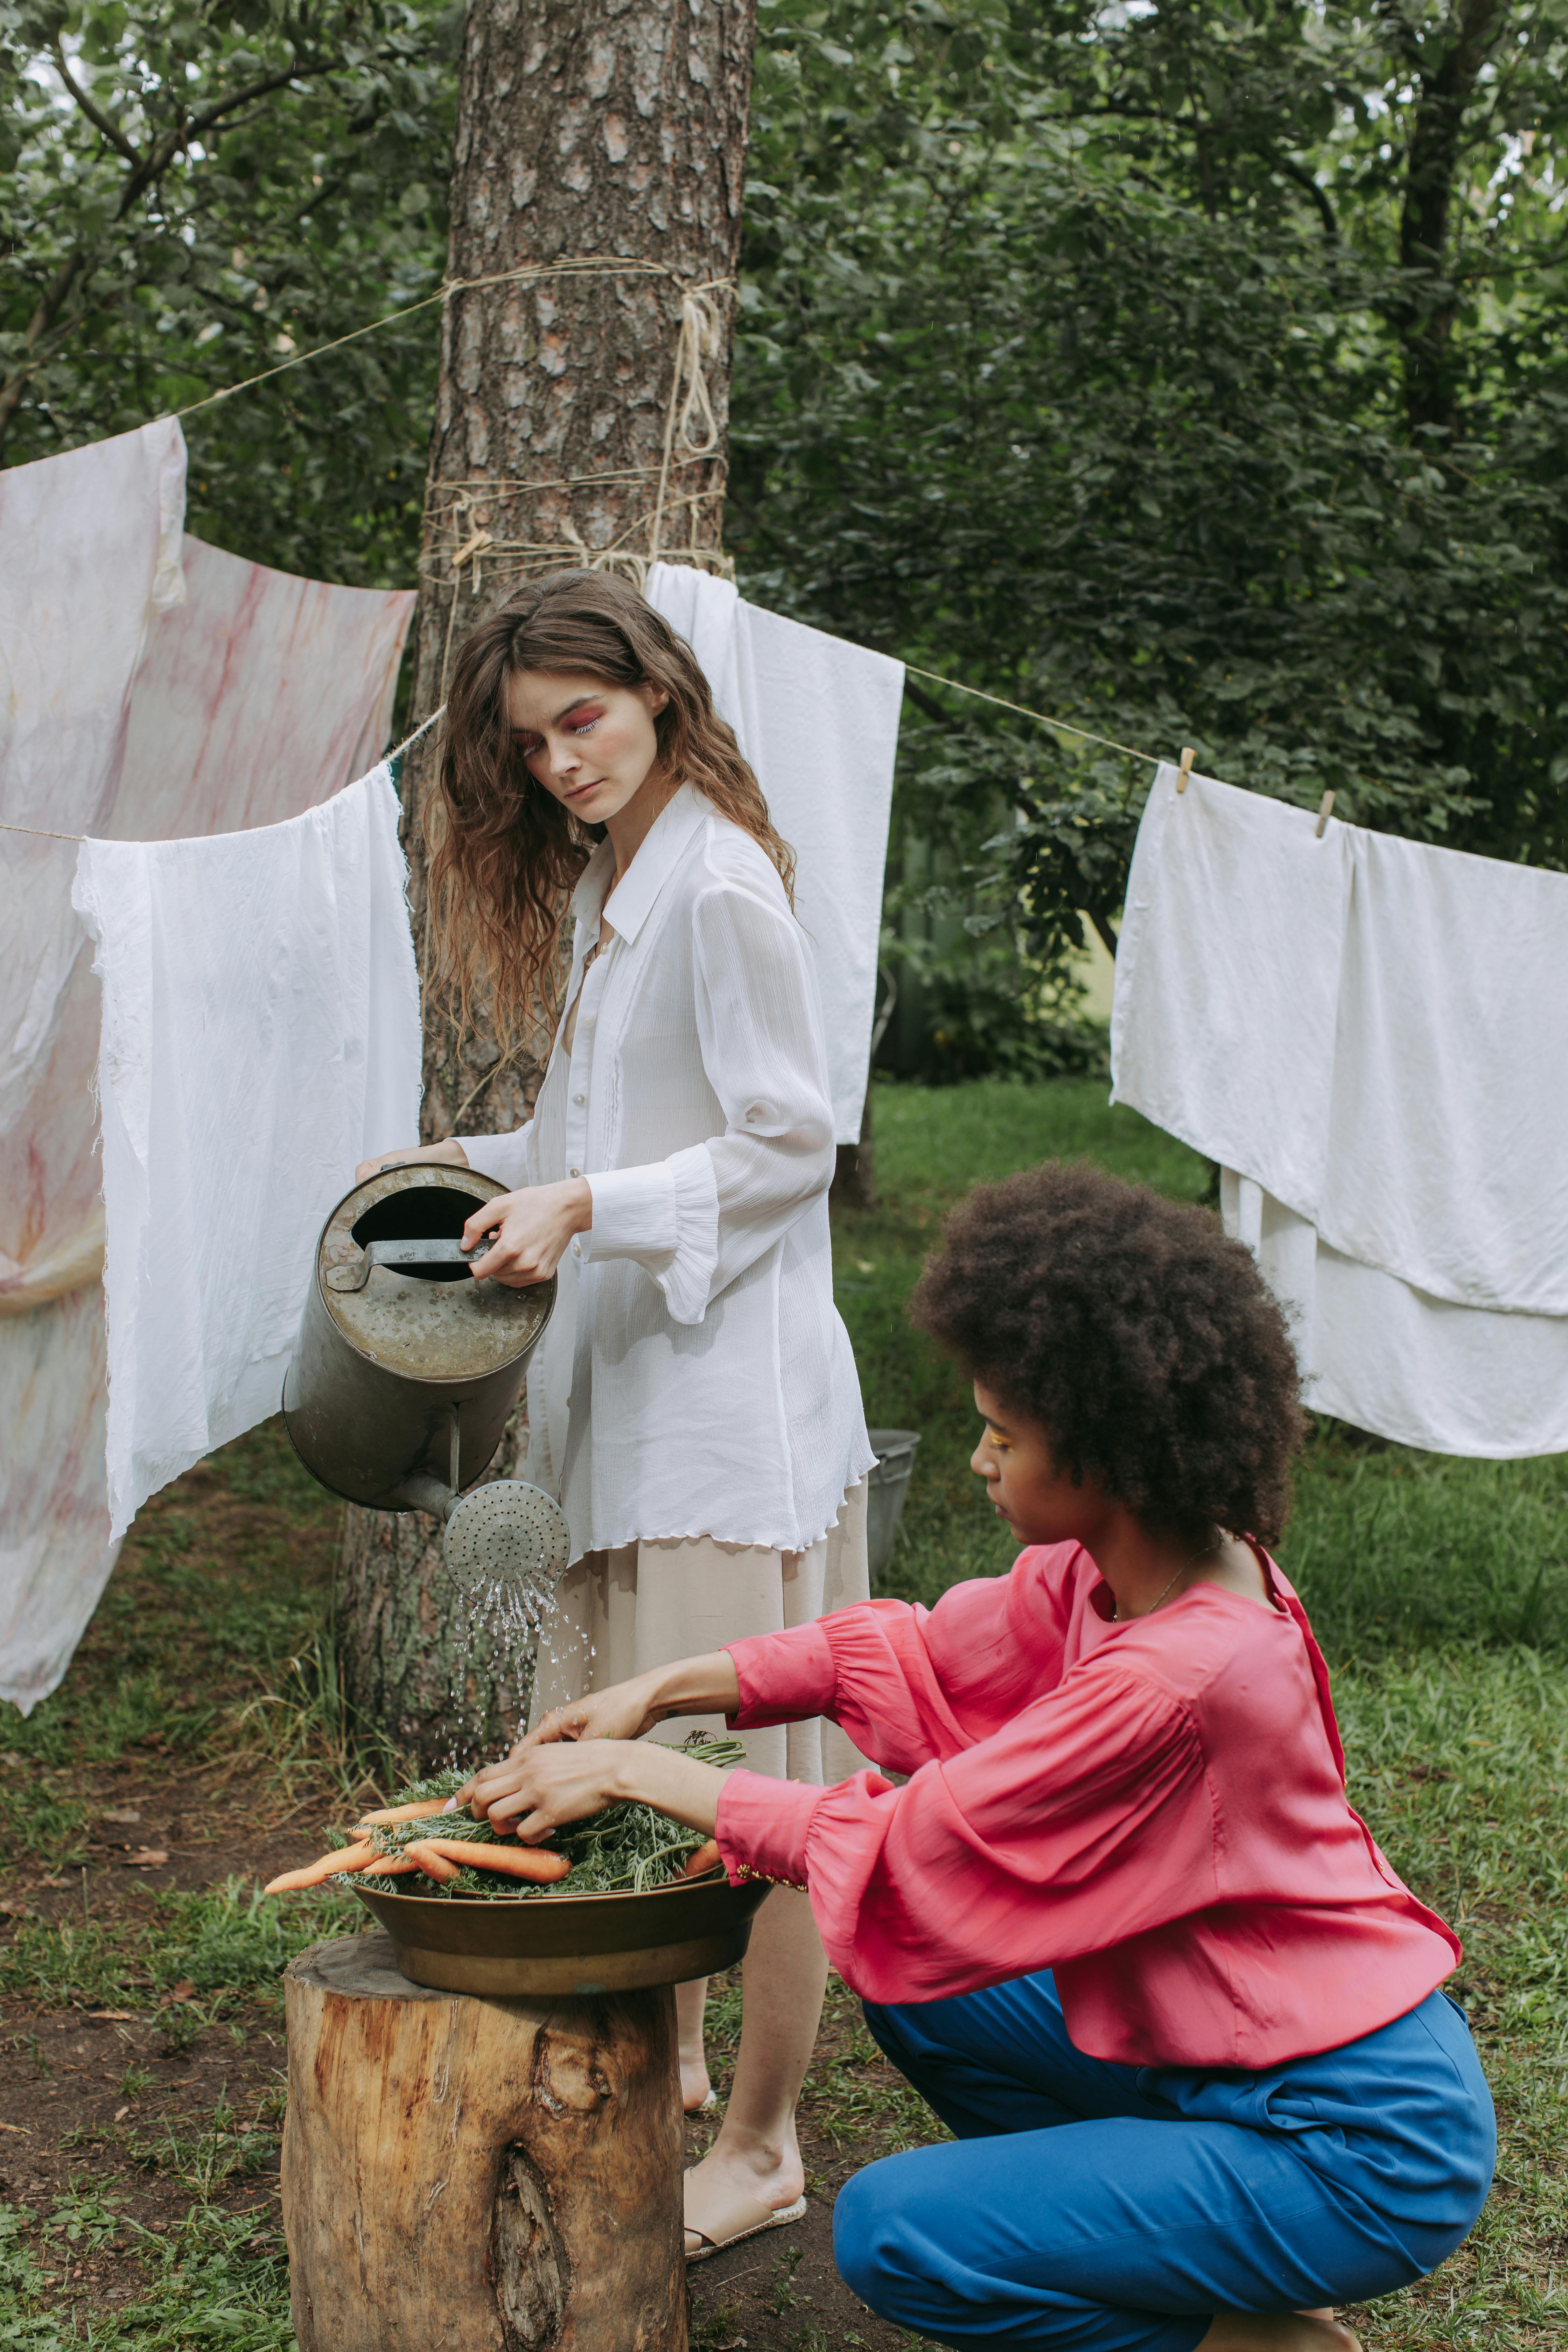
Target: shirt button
574,1171
579,1099
576,1249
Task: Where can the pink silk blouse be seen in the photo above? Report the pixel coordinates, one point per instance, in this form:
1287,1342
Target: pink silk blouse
1156,1811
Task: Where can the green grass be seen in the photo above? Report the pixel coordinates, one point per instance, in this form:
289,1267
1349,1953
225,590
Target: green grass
1440,1589
228,1943
213,2280
211,1644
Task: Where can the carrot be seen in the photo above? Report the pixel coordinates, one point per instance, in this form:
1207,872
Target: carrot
531,1861
315,1873
703,1859
425,1856
396,1814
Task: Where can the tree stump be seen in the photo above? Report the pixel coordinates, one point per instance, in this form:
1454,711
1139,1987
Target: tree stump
463,2174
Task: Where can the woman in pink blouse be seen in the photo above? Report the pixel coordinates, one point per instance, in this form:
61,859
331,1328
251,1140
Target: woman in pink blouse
1120,1925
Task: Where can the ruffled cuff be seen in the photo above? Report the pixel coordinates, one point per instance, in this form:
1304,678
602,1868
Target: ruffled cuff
634,1213
502,1158
783,1678
762,1827
688,1279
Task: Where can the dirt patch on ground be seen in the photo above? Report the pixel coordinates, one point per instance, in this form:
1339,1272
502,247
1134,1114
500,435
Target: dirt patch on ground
102,2104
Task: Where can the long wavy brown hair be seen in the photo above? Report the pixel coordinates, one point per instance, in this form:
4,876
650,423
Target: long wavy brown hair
504,852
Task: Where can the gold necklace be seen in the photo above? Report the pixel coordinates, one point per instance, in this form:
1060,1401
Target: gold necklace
1213,1545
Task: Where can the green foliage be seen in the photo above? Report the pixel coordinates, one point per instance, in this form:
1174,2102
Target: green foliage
188,195
626,1848
1107,361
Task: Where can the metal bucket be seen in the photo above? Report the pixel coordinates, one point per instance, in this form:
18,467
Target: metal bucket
575,1944
407,1369
888,1485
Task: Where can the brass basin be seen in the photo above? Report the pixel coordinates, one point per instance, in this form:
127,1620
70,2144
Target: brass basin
571,1944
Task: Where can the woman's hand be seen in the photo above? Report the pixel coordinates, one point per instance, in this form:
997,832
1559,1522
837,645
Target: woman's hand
624,1712
706,1686
451,1151
533,1227
539,1788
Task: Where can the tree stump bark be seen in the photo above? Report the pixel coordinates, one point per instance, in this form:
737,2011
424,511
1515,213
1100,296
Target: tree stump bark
474,2175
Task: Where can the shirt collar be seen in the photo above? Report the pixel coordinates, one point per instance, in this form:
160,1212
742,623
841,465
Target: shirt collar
629,903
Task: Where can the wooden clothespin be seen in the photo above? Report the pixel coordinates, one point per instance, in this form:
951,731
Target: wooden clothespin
469,549
1186,769
1325,811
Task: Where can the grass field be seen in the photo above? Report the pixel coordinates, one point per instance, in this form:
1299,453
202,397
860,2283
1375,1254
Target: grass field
138,2169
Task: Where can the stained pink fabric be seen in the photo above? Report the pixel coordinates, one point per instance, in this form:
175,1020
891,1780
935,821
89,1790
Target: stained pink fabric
1156,1811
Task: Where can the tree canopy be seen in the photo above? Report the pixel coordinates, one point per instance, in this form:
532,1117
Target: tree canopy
1191,369
1192,372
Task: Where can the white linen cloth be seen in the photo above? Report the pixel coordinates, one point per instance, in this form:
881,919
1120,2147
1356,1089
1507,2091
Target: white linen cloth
1370,1035
90,548
817,718
695,1379
154,685
260,1032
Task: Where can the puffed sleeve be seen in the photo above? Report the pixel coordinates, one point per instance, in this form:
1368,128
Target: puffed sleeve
699,1218
910,1684
504,1158
1083,1822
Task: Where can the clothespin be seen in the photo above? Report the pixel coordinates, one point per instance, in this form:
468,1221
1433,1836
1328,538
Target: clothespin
1325,811
1186,769
469,549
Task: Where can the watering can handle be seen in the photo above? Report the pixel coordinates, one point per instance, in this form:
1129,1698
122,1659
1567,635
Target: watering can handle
402,1253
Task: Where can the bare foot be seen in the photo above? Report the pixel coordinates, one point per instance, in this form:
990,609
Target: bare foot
735,2186
1278,2331
696,2090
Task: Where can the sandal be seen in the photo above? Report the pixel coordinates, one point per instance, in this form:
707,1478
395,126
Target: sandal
706,2245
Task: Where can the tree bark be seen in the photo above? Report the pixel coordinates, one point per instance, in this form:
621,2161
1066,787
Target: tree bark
612,130
1432,166
466,2175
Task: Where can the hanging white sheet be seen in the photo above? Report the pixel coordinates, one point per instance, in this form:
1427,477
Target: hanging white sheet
126,712
1370,1035
260,1032
817,718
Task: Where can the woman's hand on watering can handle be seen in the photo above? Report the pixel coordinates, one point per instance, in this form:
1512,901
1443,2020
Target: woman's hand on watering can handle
451,1151
532,1229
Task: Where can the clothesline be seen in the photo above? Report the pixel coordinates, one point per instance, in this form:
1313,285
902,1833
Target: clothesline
582,265
956,685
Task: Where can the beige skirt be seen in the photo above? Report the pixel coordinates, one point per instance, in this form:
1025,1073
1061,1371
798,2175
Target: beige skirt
646,1604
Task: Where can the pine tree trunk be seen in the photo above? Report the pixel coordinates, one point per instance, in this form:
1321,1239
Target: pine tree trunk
585,129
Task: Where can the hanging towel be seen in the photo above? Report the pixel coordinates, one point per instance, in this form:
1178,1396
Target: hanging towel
260,1035
90,548
1447,1160
817,718
128,713
1371,1036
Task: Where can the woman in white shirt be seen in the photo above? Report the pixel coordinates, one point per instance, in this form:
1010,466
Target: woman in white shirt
694,1403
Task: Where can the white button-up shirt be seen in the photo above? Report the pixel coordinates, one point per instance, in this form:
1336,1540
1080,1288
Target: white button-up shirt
695,1379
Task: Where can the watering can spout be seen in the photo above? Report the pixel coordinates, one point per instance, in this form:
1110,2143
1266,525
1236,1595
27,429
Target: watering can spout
420,1491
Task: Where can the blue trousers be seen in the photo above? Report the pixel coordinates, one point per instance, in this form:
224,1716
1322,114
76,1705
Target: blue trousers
1117,2208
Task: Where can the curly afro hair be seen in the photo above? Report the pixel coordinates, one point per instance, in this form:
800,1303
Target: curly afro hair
1135,1335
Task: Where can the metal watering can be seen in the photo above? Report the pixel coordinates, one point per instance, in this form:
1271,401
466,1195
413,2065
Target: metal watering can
407,1369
